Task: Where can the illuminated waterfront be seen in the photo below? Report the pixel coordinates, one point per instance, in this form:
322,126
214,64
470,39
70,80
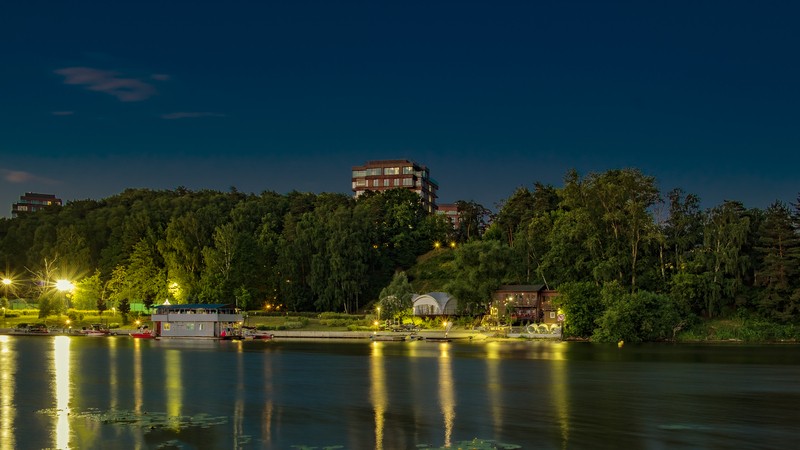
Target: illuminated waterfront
74,392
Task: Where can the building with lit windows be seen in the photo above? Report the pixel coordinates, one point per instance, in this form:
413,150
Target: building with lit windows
396,174
450,211
32,202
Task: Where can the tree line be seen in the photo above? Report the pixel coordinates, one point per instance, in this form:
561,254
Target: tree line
624,258
299,251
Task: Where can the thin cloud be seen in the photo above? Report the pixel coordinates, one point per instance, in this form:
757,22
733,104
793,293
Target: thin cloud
63,113
189,115
19,176
111,83
160,77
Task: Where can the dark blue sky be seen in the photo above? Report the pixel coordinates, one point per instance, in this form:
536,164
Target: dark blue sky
96,97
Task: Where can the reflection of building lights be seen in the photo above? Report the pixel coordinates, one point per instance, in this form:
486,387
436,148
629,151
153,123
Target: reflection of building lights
560,392
446,395
494,384
173,375
378,391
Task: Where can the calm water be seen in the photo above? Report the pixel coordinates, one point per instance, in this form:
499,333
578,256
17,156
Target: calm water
105,393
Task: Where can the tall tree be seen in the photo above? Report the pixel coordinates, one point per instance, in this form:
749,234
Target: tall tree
779,266
395,299
725,234
481,266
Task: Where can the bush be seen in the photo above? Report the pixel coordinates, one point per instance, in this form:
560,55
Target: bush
335,315
639,317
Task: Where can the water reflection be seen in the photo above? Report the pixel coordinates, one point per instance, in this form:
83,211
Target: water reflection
377,391
113,376
55,393
61,360
494,384
7,374
174,391
269,394
238,409
138,390
561,381
447,399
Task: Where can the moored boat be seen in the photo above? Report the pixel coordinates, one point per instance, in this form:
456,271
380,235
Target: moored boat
38,329
143,333
388,337
250,334
97,330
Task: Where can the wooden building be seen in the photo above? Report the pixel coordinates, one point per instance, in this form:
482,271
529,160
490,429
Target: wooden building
525,303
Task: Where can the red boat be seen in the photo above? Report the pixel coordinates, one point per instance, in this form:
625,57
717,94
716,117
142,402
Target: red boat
143,333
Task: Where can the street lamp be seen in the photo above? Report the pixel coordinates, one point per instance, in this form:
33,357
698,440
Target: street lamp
65,286
6,284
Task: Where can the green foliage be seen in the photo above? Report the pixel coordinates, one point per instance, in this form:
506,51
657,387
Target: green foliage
581,304
636,317
88,291
330,252
432,271
395,299
741,329
779,248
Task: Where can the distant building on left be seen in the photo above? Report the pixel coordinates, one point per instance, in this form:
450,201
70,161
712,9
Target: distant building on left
32,202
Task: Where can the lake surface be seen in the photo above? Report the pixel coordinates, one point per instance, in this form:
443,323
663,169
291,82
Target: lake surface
108,393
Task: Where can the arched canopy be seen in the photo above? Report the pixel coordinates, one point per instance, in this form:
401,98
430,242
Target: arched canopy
434,304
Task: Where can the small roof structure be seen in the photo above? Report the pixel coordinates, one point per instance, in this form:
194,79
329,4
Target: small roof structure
434,304
520,288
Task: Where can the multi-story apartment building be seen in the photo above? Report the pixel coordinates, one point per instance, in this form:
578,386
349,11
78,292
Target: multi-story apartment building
32,202
396,174
449,210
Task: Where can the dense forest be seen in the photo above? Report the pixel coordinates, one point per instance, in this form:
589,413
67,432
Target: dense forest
621,255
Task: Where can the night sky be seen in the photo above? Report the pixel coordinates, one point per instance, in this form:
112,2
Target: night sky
97,97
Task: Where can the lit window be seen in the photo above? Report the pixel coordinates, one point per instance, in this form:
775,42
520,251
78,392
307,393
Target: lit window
386,182
396,182
407,181
408,170
391,171
375,183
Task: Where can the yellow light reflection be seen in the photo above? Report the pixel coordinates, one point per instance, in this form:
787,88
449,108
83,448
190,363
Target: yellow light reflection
138,390
61,356
238,409
7,412
174,390
446,398
494,384
113,377
269,393
377,392
560,392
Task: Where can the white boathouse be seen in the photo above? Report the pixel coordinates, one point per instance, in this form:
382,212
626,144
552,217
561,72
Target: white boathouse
197,321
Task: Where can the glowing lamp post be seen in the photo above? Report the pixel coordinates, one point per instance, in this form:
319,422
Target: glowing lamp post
65,287
6,284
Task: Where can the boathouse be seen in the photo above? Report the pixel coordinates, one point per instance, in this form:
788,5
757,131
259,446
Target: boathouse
525,303
197,321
